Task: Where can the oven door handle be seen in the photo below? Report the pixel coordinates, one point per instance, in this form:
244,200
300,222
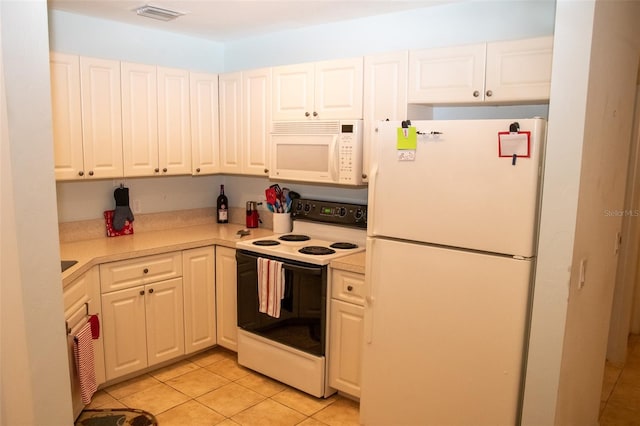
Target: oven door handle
303,269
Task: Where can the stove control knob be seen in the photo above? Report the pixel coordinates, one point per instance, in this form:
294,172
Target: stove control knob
358,214
307,208
342,212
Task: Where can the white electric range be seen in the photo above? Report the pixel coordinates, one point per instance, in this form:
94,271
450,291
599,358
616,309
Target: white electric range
291,346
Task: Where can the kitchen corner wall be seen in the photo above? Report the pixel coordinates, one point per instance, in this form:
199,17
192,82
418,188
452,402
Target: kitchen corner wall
448,24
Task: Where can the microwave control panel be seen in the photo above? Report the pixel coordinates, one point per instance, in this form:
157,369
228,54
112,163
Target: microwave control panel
350,154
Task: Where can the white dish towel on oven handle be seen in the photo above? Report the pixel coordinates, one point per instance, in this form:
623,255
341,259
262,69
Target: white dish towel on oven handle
270,286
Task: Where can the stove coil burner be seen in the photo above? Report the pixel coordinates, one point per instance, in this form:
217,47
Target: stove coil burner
294,237
266,243
344,246
316,250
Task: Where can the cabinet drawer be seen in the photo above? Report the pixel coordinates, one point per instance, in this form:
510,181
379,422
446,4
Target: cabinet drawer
76,293
141,270
347,286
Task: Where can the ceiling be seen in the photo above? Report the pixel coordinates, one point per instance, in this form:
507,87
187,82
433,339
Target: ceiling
227,20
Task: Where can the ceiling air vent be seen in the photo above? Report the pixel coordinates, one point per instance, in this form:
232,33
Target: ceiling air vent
157,13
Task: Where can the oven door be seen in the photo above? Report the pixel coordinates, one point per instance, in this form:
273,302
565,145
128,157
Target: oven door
302,321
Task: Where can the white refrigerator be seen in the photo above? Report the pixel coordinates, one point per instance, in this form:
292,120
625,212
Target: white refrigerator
452,232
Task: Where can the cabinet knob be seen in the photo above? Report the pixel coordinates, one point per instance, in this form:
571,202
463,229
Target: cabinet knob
80,173
266,170
306,114
150,290
164,170
364,176
489,93
156,170
145,270
315,114
91,173
476,94
198,170
141,292
349,288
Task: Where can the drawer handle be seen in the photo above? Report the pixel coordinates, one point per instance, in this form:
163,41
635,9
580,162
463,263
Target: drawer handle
145,270
150,290
349,288
141,292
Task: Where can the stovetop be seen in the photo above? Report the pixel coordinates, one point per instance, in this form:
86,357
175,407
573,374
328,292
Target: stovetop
317,227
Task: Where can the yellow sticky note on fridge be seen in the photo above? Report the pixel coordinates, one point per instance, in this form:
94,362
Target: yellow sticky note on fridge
407,138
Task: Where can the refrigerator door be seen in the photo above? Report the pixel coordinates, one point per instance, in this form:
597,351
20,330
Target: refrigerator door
458,191
444,335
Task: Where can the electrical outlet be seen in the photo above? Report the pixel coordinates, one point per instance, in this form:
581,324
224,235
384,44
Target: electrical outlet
583,274
136,206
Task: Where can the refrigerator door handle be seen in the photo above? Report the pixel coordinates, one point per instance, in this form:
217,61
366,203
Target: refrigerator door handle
373,176
369,297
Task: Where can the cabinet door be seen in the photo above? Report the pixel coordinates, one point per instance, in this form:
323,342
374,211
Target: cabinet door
345,352
226,298
101,117
67,116
165,320
124,327
338,89
199,298
256,117
205,150
385,96
230,98
447,75
293,92
174,122
519,70
139,119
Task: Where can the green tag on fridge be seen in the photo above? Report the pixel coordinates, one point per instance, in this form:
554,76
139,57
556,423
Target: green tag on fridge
407,138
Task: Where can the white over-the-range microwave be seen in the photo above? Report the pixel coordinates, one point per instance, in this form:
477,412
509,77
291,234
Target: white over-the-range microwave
323,151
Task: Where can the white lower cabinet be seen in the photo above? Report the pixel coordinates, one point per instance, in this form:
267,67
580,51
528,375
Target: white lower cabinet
144,323
199,281
346,331
226,298
82,297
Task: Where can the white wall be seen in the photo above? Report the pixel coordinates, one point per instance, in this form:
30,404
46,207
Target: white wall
594,69
88,36
450,24
35,387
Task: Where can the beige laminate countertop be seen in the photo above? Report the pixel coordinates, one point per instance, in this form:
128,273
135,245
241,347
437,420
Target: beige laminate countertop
352,263
101,250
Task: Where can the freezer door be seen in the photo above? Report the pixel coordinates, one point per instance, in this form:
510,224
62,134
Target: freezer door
457,191
444,333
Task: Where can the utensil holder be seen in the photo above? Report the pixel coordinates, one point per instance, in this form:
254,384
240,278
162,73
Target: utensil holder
282,223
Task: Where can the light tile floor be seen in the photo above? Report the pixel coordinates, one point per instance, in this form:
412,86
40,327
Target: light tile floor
212,389
620,400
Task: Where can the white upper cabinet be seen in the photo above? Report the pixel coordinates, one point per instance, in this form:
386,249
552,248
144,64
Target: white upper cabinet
385,95
245,119
67,116
139,119
256,117
86,117
511,71
101,117
519,70
174,122
230,99
320,90
156,120
205,149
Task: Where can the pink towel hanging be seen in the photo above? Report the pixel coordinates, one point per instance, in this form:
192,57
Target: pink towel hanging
83,353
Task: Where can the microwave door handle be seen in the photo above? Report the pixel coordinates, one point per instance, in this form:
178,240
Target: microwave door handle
333,166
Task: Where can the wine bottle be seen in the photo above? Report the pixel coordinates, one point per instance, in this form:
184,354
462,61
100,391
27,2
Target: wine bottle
223,207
